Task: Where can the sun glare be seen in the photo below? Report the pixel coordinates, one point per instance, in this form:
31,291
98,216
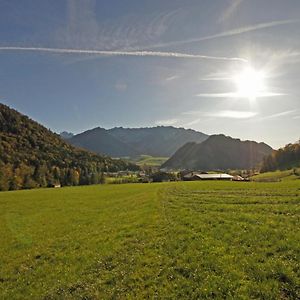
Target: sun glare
250,83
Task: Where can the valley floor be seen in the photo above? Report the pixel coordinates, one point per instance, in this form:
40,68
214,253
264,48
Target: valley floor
184,240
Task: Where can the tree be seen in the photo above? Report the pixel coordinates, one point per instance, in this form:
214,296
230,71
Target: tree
163,176
29,183
94,178
102,178
6,174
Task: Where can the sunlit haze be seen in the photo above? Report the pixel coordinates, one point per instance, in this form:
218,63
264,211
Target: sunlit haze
250,83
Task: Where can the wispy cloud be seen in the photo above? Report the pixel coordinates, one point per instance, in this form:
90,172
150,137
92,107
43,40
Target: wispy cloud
288,56
279,115
227,13
171,78
166,122
83,27
218,95
237,95
232,114
193,122
229,33
121,53
216,78
195,117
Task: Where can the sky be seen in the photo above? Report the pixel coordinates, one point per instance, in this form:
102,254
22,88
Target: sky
216,66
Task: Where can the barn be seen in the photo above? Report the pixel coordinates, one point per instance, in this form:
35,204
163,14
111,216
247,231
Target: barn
198,176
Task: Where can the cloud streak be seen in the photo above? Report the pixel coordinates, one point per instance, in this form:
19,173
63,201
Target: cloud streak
171,78
237,95
82,27
229,33
232,114
224,114
121,53
279,115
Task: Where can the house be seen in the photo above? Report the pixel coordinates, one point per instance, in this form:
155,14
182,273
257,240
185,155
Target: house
57,185
238,178
199,176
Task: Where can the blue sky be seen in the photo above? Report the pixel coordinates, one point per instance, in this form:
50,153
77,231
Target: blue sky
165,62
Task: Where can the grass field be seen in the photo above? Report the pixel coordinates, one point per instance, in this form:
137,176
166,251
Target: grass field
185,240
150,160
278,175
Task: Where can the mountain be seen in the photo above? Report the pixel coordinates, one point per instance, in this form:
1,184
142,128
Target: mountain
120,142
218,152
157,141
33,156
99,140
66,135
284,158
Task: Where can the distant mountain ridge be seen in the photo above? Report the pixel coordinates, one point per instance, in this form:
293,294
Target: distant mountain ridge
66,135
99,140
219,152
160,141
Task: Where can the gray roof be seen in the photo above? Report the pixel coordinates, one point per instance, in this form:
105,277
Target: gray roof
210,176
214,176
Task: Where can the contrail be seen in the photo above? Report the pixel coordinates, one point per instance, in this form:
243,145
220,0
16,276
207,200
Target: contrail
228,33
122,53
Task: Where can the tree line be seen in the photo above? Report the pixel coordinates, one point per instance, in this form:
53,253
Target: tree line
284,158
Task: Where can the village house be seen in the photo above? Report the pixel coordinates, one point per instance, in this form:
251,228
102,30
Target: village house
199,176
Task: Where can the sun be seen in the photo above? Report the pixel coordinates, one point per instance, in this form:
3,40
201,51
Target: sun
250,83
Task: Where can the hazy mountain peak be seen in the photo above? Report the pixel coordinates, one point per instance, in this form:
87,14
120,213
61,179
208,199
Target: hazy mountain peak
66,135
160,141
219,152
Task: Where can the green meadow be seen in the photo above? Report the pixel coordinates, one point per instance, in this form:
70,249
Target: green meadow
285,175
149,160
184,240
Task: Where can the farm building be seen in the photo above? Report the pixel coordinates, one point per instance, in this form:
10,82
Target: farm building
239,178
56,185
197,176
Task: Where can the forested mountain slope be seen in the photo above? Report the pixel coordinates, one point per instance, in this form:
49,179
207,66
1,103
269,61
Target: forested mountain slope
33,156
218,152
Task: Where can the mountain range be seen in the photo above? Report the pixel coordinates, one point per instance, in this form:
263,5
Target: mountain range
160,141
33,156
218,152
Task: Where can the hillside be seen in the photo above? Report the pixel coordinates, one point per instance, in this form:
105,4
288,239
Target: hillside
282,159
147,160
99,140
273,176
33,156
158,141
218,152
